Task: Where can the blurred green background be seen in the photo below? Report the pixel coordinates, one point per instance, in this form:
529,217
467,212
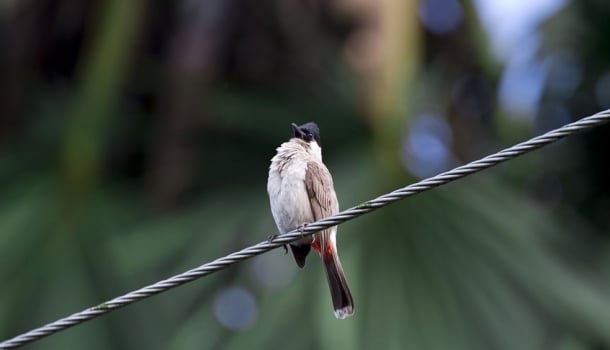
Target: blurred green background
135,139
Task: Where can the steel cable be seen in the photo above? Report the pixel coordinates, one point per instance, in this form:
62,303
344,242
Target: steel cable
262,247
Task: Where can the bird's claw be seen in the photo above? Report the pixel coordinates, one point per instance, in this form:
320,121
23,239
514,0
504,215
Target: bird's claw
302,228
272,237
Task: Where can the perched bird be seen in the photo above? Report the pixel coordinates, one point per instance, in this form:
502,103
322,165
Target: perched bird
301,191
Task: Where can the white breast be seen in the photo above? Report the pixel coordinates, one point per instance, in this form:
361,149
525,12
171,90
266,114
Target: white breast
286,187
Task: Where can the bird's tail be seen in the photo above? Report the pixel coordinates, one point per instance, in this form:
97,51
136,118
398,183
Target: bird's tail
339,290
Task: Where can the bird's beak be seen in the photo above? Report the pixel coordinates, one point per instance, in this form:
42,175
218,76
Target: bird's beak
297,130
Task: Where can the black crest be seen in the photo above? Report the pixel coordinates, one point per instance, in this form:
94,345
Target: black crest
307,132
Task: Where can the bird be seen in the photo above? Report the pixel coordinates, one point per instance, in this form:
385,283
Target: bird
301,191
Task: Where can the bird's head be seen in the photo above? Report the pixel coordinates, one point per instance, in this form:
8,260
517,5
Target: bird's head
307,132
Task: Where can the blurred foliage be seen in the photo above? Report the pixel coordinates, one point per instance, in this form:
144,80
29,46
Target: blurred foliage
135,139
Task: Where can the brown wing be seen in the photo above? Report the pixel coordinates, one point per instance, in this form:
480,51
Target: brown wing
322,197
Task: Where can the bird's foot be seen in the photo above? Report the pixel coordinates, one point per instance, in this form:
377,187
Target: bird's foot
272,237
302,228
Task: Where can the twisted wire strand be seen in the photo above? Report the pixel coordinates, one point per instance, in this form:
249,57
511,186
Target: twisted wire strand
277,241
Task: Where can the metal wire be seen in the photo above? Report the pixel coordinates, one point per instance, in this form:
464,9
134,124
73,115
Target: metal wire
262,247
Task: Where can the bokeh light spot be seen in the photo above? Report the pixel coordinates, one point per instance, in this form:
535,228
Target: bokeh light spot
426,149
522,83
273,270
235,308
440,16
